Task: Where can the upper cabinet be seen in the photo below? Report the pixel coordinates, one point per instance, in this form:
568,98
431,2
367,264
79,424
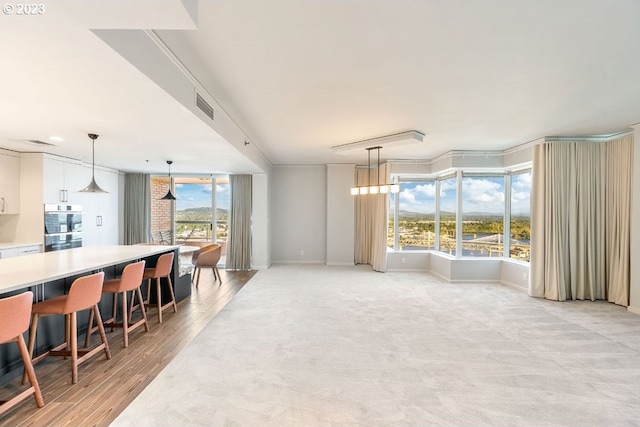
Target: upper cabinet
62,180
9,183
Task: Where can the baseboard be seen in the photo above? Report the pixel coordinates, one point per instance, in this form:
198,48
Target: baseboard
514,286
407,270
342,264
634,310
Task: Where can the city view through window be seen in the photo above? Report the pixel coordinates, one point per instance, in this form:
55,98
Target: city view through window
196,201
488,221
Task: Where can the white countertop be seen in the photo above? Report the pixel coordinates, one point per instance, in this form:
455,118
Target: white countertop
18,245
22,272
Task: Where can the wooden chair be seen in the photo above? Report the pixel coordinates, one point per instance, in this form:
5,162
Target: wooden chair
208,257
131,280
84,294
162,269
15,312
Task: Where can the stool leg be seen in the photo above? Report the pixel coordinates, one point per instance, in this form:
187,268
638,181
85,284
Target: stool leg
32,342
115,309
125,320
198,277
159,298
173,297
90,330
103,336
144,313
74,347
31,373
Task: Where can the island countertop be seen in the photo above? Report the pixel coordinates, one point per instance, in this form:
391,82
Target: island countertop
22,272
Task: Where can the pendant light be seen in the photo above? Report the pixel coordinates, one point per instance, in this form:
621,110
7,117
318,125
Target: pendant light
93,187
169,195
374,189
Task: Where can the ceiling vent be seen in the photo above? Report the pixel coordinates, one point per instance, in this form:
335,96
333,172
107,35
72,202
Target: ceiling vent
204,106
35,141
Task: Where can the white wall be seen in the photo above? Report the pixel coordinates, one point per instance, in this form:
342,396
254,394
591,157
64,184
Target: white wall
340,215
299,214
260,256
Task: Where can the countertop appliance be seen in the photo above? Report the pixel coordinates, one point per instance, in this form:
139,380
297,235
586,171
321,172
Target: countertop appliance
62,227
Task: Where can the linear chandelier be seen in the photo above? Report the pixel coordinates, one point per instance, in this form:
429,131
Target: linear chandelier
377,188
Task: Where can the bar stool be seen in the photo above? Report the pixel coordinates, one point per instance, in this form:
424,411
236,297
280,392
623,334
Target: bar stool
162,269
14,320
130,280
85,293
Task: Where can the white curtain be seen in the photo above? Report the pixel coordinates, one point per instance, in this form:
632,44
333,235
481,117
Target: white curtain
137,208
580,220
239,239
618,218
371,221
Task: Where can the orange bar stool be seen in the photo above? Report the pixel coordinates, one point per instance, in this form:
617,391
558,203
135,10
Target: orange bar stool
162,269
130,280
84,294
14,321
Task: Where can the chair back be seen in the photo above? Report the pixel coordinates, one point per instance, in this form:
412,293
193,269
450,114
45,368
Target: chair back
196,254
209,258
164,265
131,276
15,313
85,292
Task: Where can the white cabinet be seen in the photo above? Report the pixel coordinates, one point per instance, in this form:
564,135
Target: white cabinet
16,249
9,253
62,180
28,250
100,211
9,183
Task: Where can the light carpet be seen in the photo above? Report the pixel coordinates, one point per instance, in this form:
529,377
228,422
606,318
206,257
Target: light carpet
320,346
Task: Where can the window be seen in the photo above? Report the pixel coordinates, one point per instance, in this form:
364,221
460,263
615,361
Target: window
201,206
495,215
483,215
414,209
520,223
447,215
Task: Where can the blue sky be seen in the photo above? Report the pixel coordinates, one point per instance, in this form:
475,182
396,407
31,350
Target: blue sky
480,194
199,195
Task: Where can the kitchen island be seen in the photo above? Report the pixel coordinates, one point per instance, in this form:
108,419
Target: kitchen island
50,274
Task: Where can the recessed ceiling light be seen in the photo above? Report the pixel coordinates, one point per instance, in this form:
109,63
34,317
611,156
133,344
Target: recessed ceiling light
56,138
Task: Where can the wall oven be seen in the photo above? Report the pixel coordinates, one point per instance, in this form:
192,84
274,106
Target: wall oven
62,227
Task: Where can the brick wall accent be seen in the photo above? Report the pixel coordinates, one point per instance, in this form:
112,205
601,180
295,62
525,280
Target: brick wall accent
160,209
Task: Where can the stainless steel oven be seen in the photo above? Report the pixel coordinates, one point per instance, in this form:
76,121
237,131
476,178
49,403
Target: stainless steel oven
62,227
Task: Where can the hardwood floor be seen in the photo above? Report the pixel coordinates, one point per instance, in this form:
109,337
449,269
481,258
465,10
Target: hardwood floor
106,387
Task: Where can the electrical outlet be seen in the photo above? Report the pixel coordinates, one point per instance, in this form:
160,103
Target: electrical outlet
301,253
403,260
524,276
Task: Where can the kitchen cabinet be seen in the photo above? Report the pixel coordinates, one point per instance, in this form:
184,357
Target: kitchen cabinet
9,183
9,253
100,211
63,178
48,179
10,250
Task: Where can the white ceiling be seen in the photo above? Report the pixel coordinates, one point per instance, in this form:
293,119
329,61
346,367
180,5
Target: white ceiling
300,76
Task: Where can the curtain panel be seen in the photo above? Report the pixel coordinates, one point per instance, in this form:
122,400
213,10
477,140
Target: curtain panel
137,208
239,238
371,220
580,220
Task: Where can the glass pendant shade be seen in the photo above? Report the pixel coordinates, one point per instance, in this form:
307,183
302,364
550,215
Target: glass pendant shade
93,186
